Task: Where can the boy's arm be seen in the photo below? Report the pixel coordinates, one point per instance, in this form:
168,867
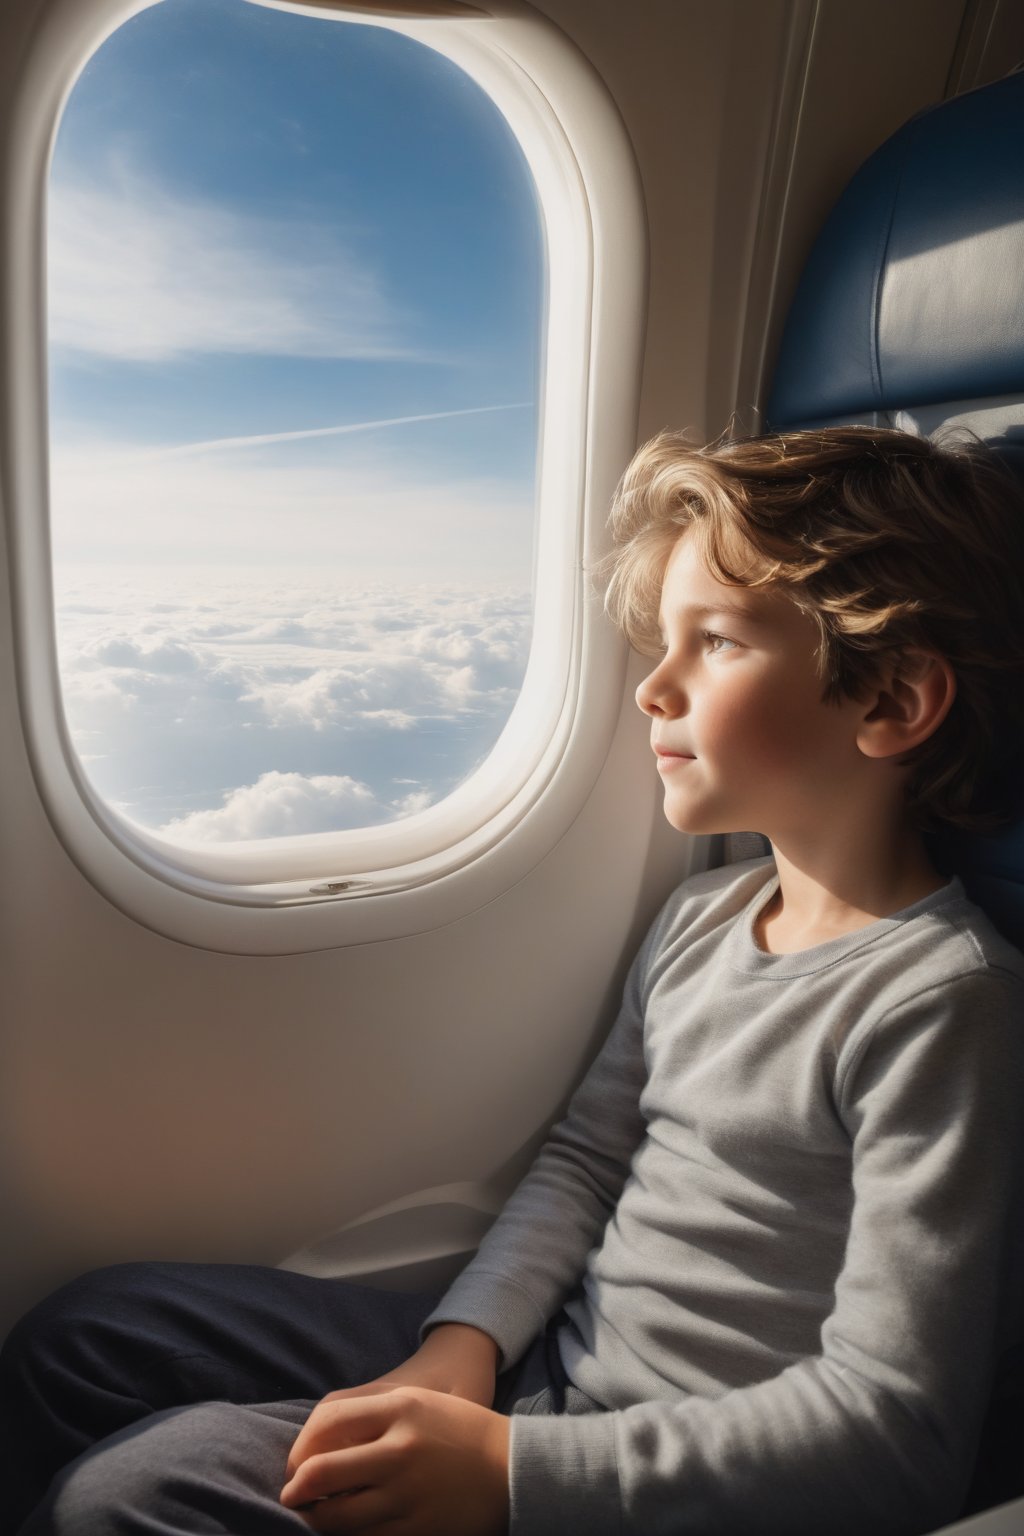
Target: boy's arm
536,1251
877,1433
532,1257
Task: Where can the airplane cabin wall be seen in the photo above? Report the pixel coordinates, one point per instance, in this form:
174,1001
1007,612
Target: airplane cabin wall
165,1101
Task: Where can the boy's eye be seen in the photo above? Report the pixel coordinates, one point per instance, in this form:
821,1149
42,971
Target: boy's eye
715,642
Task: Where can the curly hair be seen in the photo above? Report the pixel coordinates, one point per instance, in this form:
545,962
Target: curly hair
888,542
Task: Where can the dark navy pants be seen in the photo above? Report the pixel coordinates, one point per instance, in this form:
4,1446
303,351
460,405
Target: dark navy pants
164,1398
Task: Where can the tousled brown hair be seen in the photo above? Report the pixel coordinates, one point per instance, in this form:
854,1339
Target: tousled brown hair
887,541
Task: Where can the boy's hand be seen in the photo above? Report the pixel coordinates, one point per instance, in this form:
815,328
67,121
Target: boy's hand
424,1462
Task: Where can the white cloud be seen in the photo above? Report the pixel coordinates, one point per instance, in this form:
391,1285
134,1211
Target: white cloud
394,719
215,705
283,805
138,272
166,655
417,801
353,691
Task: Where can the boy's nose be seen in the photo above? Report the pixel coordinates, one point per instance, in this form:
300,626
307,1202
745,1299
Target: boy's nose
660,695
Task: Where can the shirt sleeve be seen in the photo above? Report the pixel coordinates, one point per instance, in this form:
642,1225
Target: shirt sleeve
879,1431
535,1253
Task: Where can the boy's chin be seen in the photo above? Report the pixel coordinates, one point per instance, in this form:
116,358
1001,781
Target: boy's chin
694,823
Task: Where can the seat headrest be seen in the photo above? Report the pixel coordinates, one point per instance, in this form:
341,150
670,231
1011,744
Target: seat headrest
914,291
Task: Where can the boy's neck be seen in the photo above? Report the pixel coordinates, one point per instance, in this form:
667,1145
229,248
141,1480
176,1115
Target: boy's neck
829,890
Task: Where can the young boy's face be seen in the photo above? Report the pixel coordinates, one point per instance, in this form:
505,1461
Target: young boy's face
743,737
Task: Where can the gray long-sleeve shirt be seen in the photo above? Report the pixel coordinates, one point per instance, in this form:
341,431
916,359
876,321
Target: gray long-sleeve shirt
783,1213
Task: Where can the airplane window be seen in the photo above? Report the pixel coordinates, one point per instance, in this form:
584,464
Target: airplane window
342,318
296,294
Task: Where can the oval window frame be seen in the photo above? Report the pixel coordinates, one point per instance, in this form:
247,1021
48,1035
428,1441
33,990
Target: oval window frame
434,867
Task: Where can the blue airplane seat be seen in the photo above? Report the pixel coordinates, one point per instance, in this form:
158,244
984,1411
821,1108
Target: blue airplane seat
910,314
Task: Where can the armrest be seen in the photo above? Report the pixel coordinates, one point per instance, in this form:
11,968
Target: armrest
1006,1520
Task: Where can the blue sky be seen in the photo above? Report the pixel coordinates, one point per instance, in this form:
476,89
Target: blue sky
263,224
264,232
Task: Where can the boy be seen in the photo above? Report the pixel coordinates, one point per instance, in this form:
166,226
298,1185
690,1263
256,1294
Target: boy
761,1275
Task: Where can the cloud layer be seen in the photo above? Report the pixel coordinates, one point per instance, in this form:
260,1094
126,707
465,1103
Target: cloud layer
216,708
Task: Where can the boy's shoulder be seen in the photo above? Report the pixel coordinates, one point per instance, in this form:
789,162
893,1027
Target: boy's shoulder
971,919
945,952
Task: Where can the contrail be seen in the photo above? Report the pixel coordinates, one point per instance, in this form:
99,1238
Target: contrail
214,445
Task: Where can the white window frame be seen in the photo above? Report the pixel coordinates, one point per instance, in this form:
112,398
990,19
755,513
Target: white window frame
299,893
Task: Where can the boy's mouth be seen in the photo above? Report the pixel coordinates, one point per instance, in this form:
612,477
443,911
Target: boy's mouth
667,756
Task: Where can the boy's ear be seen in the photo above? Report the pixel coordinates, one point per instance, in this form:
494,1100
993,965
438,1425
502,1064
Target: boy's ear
907,704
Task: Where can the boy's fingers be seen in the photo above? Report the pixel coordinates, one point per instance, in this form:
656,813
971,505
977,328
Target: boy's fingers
335,1425
365,1511
336,1472
345,1491
346,1514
